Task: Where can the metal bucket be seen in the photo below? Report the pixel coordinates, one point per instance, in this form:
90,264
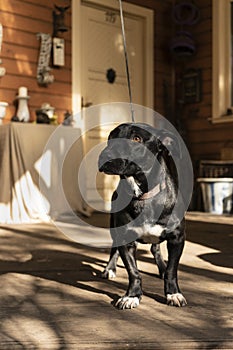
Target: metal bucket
217,195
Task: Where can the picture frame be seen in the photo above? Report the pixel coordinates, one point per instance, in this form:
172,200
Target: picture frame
192,86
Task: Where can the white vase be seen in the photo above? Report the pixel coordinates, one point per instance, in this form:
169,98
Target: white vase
23,111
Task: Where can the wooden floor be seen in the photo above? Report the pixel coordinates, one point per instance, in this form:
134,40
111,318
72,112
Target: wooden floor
52,298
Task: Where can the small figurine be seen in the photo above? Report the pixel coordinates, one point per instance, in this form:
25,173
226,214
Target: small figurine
15,118
68,119
45,115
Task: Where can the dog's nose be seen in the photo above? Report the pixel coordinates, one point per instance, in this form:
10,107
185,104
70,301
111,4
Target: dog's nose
103,159
103,166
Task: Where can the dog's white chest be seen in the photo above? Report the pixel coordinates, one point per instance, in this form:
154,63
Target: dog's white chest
149,233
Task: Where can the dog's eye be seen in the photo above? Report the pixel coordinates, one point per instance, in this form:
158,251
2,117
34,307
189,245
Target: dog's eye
137,138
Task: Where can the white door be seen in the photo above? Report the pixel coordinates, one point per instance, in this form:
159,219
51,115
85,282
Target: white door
103,72
97,47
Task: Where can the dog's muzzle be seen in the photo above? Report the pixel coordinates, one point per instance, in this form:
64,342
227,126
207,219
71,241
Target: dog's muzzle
111,166
104,166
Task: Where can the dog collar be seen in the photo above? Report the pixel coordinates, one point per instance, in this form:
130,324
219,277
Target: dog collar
154,191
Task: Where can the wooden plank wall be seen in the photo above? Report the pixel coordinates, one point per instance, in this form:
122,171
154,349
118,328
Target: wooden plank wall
162,59
22,20
205,140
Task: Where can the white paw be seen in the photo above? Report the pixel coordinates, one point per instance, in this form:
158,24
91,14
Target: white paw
108,274
127,302
176,299
111,274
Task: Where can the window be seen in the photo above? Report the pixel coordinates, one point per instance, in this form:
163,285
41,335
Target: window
222,100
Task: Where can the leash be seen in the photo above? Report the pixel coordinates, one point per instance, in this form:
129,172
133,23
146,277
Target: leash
126,60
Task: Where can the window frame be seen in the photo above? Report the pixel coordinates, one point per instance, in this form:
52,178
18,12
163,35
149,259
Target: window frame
221,74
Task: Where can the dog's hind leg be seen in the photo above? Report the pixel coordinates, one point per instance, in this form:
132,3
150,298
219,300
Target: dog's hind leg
155,250
134,292
110,270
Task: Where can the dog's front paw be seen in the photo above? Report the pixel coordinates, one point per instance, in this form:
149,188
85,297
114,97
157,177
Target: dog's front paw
108,274
176,299
127,302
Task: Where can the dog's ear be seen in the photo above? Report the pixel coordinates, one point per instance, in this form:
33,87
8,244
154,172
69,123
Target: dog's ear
171,142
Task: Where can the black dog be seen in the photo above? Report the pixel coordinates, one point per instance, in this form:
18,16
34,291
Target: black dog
143,206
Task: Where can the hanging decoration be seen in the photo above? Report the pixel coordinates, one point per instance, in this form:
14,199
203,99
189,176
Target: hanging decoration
184,14
59,20
43,69
2,69
59,26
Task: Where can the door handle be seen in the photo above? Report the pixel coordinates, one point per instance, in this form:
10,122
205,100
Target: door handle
85,105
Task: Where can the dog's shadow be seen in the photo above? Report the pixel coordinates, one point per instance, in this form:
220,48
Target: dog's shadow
156,297
77,269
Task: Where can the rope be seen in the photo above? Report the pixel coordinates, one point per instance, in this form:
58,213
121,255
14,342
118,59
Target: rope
126,61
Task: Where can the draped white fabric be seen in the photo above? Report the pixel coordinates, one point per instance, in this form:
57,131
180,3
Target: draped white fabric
22,149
